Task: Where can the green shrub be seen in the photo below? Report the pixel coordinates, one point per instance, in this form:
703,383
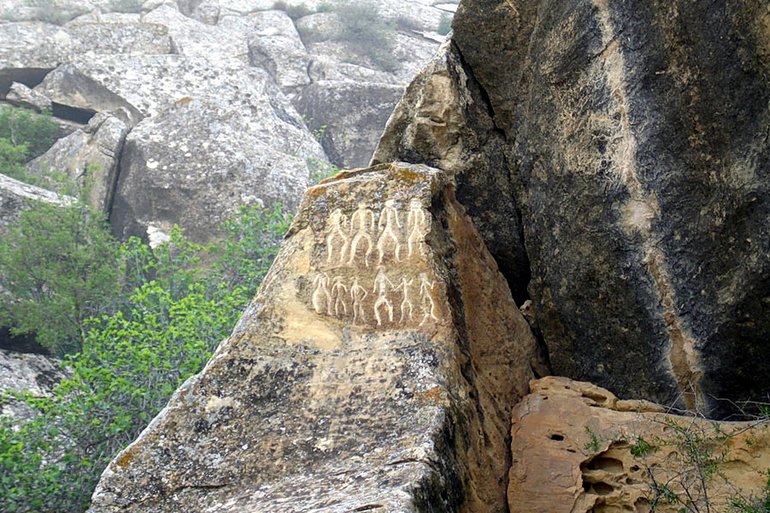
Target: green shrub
21,127
132,357
58,265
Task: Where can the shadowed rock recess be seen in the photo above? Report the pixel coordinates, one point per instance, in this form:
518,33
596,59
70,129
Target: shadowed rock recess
375,370
630,145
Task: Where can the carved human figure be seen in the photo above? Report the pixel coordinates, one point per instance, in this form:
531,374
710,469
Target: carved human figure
361,226
337,238
339,294
382,285
389,227
357,295
416,226
406,303
426,299
321,298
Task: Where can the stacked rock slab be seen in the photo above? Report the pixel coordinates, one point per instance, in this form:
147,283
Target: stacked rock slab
374,371
577,448
636,146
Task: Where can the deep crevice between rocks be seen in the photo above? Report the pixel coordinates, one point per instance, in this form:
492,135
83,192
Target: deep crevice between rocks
30,77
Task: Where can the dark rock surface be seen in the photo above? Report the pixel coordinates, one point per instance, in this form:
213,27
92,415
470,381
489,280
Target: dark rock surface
638,146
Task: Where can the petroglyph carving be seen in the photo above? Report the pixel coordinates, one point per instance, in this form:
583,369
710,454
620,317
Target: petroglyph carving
358,294
339,294
321,298
390,227
417,226
381,287
337,238
361,228
426,299
406,303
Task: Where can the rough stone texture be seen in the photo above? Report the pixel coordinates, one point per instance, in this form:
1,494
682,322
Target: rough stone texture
89,157
443,121
195,163
375,370
23,96
16,196
572,453
641,184
24,372
348,117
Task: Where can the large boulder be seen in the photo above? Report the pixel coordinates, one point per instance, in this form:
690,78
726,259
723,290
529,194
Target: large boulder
375,370
198,161
16,196
89,157
642,187
576,448
348,117
29,373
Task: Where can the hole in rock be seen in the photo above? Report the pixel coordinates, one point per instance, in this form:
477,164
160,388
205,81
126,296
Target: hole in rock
30,77
74,114
557,437
602,488
607,464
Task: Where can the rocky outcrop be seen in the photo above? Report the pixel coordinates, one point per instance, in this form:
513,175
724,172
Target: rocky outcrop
89,157
35,374
578,448
375,370
641,187
16,196
348,117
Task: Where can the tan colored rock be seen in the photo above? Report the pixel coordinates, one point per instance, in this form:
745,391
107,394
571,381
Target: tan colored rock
375,370
578,448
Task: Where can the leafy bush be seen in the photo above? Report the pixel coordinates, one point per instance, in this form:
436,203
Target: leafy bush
58,265
133,357
21,127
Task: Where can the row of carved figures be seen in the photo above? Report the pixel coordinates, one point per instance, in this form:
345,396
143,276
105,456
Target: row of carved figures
364,231
342,299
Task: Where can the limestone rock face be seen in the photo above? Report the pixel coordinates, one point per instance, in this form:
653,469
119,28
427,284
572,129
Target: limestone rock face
16,196
641,186
195,163
348,117
25,372
89,157
375,370
577,448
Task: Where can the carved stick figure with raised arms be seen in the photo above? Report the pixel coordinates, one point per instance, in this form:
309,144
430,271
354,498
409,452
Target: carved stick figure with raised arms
426,299
361,225
417,225
406,303
337,236
358,294
339,293
381,283
389,227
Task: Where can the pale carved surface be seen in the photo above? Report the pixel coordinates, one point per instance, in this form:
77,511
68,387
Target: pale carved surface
373,273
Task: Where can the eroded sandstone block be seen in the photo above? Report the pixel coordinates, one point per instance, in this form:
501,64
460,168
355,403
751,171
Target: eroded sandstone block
577,448
374,371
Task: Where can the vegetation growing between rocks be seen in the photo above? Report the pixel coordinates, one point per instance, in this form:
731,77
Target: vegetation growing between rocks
24,135
151,320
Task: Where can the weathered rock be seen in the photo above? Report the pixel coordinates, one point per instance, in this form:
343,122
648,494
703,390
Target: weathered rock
23,96
275,46
26,10
23,372
195,163
348,117
89,157
577,448
443,121
375,370
642,187
16,196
